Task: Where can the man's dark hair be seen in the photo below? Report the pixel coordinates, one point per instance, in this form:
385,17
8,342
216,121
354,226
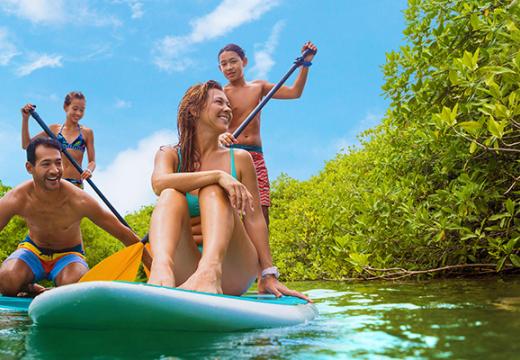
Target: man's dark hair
234,48
43,141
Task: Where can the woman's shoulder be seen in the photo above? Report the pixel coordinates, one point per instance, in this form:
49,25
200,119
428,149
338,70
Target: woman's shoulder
241,153
168,148
167,151
242,157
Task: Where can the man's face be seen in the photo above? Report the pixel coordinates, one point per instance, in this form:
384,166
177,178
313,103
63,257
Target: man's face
48,168
231,65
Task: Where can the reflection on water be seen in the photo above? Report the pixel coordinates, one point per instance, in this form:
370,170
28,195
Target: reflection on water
460,319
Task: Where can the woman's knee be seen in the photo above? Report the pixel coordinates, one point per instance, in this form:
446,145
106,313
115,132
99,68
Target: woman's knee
212,191
172,199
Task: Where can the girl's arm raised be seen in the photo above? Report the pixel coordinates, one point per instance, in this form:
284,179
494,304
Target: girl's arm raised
26,137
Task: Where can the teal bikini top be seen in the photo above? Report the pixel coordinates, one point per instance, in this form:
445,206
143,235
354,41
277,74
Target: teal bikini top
193,200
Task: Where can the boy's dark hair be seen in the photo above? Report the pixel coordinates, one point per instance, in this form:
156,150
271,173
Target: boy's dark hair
234,48
43,141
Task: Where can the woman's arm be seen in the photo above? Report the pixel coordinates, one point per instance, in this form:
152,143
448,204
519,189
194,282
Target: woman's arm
254,221
165,175
256,228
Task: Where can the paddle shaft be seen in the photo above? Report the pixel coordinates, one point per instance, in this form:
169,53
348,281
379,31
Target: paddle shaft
256,110
45,128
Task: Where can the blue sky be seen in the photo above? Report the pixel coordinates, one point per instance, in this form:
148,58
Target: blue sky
134,59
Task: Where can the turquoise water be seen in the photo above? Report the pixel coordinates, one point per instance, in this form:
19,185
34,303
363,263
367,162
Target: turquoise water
439,319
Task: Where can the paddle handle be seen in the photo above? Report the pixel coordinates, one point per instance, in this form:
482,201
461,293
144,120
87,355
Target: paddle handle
45,128
297,63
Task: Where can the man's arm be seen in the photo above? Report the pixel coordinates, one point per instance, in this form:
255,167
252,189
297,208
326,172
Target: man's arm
296,90
107,221
9,207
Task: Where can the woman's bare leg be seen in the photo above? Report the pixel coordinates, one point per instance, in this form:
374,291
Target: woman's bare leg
229,259
175,255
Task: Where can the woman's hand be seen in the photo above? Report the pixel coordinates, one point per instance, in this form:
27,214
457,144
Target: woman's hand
240,198
270,285
227,139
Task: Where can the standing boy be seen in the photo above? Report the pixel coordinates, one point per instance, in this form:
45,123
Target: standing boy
244,96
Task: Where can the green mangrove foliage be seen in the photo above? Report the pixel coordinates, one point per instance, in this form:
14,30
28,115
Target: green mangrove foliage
437,183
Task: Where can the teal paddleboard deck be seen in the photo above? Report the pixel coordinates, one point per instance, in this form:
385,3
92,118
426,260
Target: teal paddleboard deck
15,304
122,305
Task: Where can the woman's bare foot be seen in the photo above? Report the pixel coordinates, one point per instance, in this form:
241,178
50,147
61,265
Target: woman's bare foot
161,275
204,280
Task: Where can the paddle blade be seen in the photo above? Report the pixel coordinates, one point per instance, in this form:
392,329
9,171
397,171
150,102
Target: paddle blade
123,265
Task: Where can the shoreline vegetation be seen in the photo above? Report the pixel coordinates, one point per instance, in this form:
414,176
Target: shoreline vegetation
433,190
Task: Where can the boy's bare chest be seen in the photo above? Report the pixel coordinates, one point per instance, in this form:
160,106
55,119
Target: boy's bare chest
243,100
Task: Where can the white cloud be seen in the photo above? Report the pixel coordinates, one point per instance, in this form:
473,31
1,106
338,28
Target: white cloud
57,12
137,10
39,62
36,11
170,52
7,49
122,104
126,181
263,56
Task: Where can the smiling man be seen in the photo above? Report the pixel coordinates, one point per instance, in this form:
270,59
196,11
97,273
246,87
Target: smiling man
53,209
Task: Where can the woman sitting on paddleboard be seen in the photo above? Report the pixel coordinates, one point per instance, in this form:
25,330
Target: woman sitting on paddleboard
202,184
72,137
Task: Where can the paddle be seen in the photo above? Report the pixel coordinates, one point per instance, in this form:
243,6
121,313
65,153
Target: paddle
45,128
127,260
122,265
297,63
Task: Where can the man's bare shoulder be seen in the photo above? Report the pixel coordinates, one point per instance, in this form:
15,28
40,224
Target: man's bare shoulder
20,192
74,196
16,198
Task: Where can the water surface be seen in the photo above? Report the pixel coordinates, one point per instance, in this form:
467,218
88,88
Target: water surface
438,319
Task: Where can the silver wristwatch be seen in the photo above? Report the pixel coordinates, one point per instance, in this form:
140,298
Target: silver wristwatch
273,270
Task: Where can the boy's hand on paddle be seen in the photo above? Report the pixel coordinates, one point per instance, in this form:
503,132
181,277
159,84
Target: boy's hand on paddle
271,285
26,111
227,139
241,199
309,45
